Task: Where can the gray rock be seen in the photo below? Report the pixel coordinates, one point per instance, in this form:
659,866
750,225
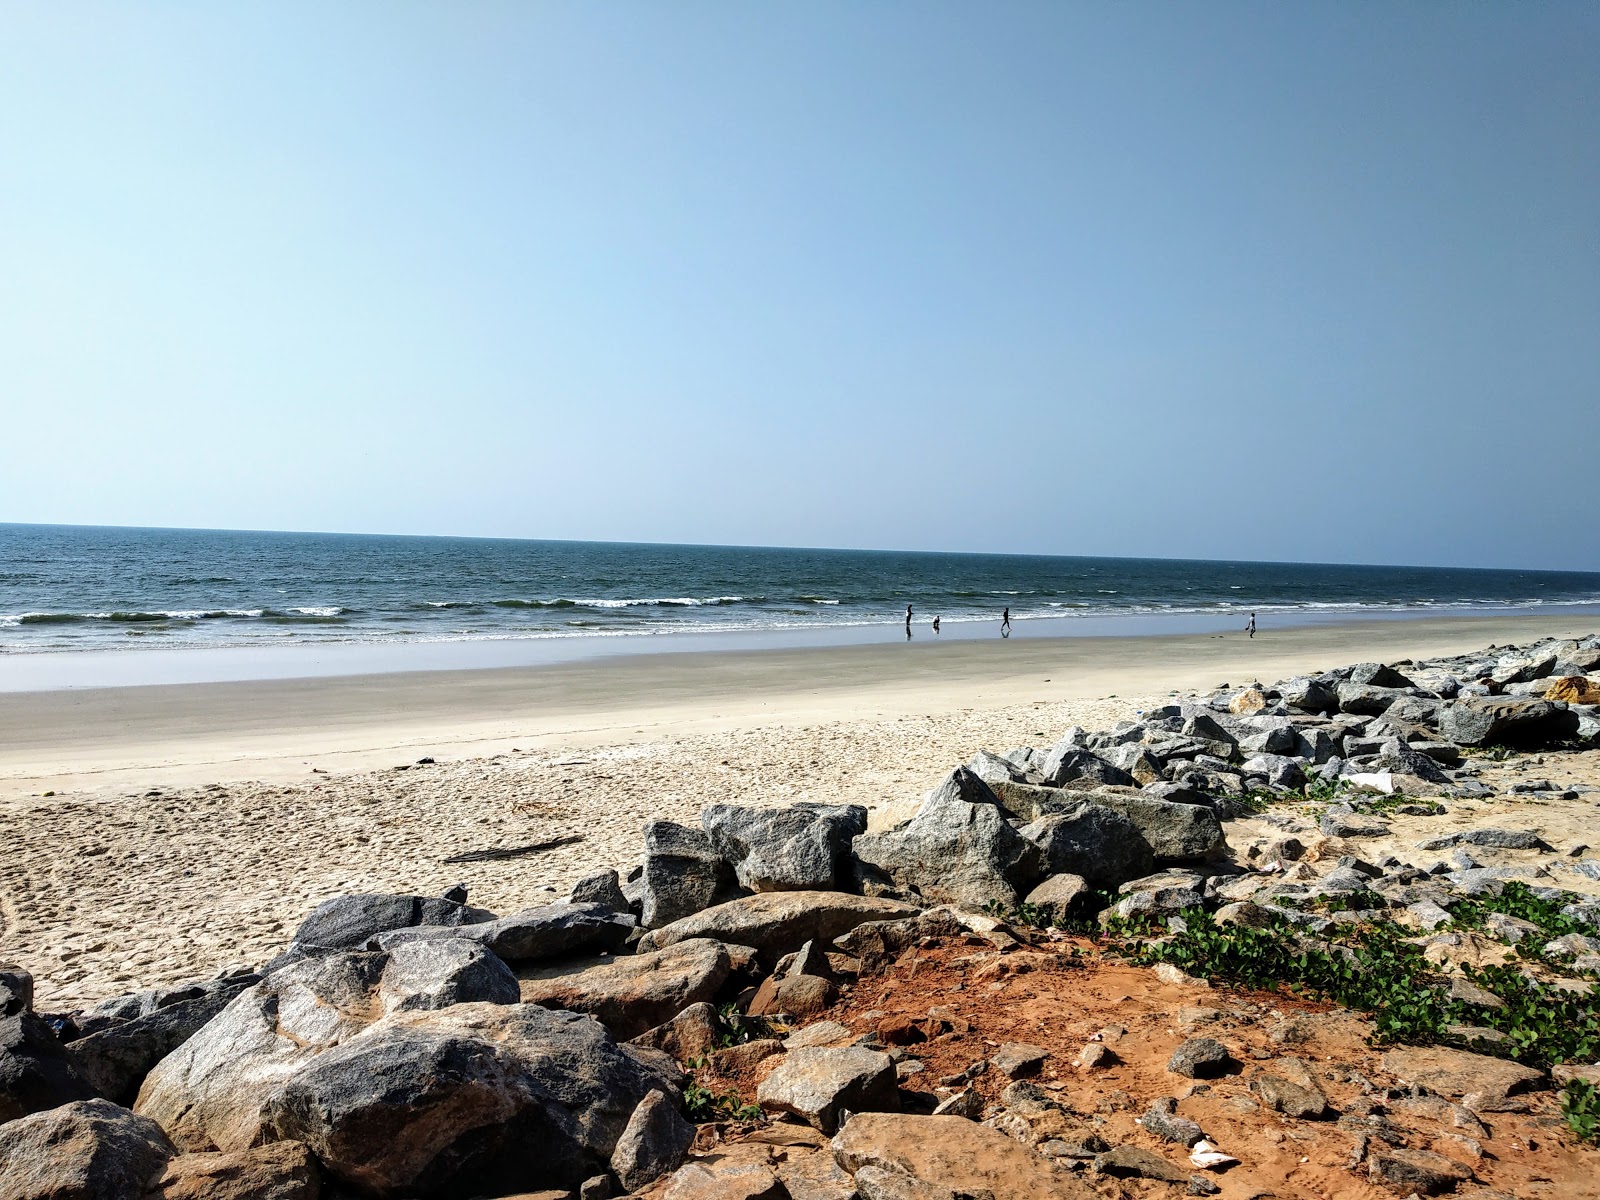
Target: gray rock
1417,1171
776,923
1016,1059
1093,841
1178,832
1067,763
1278,770
442,972
1505,720
683,873
550,931
1139,1163
603,889
818,1085
1395,755
1307,695
957,849
1378,675
114,1060
1497,839
690,1034
1163,1121
1059,898
349,922
448,1102
35,1072
1200,1058
653,1143
83,1150
1352,824
16,991
1292,1089
634,993
802,848
1365,700
995,768
878,943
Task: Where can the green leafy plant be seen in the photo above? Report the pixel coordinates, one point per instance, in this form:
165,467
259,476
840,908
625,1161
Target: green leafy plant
737,1028
701,1104
1580,1108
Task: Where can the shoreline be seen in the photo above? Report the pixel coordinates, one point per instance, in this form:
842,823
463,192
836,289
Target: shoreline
178,735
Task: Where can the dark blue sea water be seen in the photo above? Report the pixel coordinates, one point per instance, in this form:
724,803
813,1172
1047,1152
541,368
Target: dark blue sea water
68,588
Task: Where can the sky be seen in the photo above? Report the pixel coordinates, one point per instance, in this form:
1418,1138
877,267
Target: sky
1312,281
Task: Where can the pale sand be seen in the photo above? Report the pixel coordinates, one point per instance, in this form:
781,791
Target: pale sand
105,888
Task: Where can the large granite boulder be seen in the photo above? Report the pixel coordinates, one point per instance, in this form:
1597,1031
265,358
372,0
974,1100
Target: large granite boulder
549,931
1093,841
450,1102
115,1059
1364,699
35,1072
775,923
16,990
819,1084
85,1150
654,1142
1505,720
957,849
1180,832
208,1092
805,847
634,993
1067,763
683,873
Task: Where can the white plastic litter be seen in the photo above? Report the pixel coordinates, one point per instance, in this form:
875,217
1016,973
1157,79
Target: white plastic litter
1207,1156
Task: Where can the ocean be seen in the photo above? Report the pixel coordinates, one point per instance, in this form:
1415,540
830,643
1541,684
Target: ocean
72,588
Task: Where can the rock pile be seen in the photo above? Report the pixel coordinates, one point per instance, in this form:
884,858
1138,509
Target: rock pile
409,1046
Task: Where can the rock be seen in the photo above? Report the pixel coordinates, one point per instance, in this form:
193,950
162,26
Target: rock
1278,770
603,888
1016,1059
349,922
1178,832
1364,699
1397,757
734,1060
653,1143
815,1177
1059,898
957,849
805,847
1200,1058
818,1085
635,993
875,944
1092,841
16,991
1134,1161
689,1035
1420,1171
1352,825
1293,1090
437,974
1487,1082
954,1153
775,923
1505,720
1307,695
449,1101
718,1178
115,1060
683,873
1163,1121
549,931
876,1183
35,1072
1248,701
800,996
82,1150
1378,675
208,1092
1067,763
275,1171
1498,839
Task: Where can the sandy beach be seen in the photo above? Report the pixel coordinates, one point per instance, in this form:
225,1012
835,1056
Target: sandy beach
192,826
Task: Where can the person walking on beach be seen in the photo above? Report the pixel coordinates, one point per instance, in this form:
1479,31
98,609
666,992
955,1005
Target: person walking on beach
1251,628
908,620
936,624
1005,621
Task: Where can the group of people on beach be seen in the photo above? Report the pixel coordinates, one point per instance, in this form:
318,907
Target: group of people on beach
1005,622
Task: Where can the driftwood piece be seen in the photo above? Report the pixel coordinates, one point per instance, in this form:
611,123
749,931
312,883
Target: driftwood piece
513,851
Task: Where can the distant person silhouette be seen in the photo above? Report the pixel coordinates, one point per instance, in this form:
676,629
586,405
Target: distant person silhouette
1251,628
1005,621
908,622
936,624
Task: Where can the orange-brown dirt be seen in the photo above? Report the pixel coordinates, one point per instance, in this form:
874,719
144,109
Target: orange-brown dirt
1064,993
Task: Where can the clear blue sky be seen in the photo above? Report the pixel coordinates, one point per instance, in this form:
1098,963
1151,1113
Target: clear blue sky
1277,281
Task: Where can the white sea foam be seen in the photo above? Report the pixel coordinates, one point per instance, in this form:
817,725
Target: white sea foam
332,610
